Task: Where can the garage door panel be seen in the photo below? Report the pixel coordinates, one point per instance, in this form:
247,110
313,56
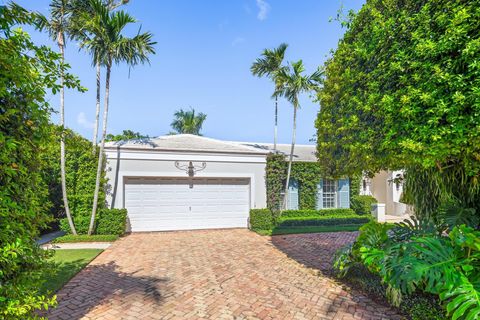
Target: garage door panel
156,204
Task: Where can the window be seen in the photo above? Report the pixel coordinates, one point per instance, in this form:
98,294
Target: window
329,193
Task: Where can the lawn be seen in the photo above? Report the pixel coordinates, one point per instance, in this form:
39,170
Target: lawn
68,263
307,229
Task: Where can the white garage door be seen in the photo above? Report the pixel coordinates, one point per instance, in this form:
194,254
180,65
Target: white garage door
157,204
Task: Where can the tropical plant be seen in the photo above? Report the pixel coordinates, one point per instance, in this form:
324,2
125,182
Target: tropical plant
59,29
270,65
295,83
400,92
28,74
82,16
126,135
108,45
188,121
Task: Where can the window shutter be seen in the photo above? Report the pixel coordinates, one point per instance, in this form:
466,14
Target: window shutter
292,201
343,193
320,195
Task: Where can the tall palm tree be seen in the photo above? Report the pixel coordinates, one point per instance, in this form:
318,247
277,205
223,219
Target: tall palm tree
188,121
84,18
270,65
294,84
59,28
109,46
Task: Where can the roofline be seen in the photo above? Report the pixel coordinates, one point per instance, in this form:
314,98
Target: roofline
160,149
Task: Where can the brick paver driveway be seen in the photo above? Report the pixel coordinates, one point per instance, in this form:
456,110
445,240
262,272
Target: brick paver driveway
217,274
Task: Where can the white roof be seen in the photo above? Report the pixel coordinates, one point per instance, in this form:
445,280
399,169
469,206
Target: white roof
190,142
184,142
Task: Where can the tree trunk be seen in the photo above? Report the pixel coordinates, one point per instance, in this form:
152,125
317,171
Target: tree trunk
62,139
97,111
102,146
292,149
276,125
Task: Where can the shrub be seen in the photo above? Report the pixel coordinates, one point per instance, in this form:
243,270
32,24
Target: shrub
108,221
362,204
322,221
317,213
111,221
86,238
261,219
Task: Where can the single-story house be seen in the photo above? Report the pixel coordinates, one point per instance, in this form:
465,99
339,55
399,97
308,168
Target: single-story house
181,182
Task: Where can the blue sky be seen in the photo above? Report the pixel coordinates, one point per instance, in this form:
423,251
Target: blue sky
204,52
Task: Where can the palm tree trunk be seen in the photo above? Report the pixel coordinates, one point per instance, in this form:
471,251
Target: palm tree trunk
62,139
102,146
292,149
97,112
276,125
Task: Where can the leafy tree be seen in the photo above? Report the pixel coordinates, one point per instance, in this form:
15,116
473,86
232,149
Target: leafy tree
294,84
270,65
27,73
401,91
188,121
126,135
109,45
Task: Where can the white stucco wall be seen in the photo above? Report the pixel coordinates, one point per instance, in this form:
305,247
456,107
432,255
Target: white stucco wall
147,163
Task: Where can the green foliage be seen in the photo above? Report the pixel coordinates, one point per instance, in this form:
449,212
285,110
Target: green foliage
340,212
81,165
275,173
355,182
402,89
261,219
27,74
126,135
308,175
362,204
111,221
328,220
421,257
108,221
188,121
86,238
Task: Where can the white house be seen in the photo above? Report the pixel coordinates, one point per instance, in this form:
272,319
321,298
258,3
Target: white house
181,182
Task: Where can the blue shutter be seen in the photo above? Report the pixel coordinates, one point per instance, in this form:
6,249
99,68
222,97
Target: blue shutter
292,200
320,195
343,193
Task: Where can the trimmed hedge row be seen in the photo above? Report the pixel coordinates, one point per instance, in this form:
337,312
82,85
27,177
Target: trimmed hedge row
264,219
108,221
317,213
362,204
323,221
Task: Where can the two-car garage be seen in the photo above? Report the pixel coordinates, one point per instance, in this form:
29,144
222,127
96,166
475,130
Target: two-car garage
163,203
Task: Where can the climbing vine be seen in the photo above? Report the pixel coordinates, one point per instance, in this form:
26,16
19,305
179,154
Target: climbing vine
308,175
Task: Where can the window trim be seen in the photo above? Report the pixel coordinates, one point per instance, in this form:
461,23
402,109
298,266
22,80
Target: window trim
334,193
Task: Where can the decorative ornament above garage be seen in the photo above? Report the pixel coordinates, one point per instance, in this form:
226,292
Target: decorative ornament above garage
191,169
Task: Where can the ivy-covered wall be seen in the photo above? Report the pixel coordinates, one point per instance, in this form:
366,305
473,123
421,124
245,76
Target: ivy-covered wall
308,175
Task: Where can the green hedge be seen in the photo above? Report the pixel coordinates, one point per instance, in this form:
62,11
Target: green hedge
261,219
362,204
322,221
86,238
108,221
317,213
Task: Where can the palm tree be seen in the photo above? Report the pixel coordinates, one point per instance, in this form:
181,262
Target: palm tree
295,83
108,45
85,18
58,28
270,65
188,121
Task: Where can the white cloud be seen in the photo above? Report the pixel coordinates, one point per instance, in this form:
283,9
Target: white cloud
83,121
237,41
263,9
